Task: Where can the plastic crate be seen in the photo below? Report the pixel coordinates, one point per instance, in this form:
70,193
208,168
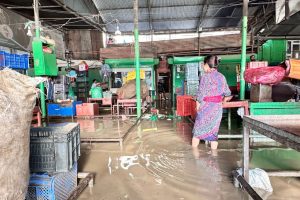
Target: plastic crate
81,79
58,186
24,61
87,109
184,105
191,71
2,58
62,110
6,59
193,109
54,148
192,88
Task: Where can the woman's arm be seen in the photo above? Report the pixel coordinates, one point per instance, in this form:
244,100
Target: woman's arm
226,99
226,92
197,105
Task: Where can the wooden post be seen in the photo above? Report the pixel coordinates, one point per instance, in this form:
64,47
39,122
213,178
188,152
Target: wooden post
82,185
246,153
246,186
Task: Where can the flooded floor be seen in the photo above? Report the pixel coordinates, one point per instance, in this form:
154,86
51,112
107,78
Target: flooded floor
157,162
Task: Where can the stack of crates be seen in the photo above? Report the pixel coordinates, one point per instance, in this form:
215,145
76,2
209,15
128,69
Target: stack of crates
192,78
54,152
14,61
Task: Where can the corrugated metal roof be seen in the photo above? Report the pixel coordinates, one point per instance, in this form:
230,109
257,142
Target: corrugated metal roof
165,15
175,12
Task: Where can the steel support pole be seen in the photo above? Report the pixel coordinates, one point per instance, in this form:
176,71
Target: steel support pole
174,85
246,153
153,83
229,118
244,49
137,57
37,36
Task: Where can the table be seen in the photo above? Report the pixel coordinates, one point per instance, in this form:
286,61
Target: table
104,101
235,104
129,103
284,129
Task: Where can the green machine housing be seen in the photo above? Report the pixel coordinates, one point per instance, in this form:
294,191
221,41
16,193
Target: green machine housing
44,63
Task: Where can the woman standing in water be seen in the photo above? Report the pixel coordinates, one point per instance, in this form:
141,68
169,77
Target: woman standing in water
213,90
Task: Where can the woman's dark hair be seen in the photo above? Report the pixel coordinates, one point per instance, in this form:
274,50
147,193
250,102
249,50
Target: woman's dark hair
207,58
94,80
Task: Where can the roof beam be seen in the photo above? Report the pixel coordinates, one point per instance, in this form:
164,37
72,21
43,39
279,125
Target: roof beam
149,11
85,19
178,19
175,31
168,6
202,14
29,7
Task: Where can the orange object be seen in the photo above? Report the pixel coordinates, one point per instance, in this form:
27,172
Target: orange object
87,109
294,69
88,126
193,109
184,105
106,101
37,117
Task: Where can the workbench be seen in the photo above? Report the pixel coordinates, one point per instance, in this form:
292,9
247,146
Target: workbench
284,129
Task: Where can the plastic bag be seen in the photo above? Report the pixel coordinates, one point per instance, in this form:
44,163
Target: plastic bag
17,100
258,178
265,75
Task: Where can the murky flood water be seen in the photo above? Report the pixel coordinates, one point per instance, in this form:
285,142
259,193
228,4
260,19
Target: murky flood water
157,162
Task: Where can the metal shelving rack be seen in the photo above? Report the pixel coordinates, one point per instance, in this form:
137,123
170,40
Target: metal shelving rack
82,83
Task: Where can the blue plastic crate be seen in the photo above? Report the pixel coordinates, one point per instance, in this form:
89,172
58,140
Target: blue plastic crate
7,59
24,61
58,186
62,110
2,58
12,57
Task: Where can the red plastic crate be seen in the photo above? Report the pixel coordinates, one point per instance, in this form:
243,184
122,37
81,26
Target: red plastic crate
87,109
184,105
193,109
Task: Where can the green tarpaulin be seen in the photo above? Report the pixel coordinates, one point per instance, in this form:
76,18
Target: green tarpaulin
129,62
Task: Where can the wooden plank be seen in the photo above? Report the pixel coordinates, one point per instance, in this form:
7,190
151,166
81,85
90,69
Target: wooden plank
101,139
82,185
284,129
151,49
284,173
246,186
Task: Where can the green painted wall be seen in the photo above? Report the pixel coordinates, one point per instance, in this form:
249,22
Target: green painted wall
229,71
179,78
94,74
273,51
125,62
